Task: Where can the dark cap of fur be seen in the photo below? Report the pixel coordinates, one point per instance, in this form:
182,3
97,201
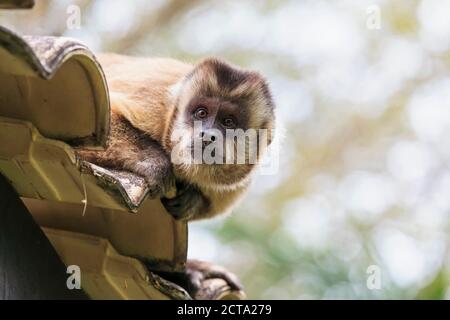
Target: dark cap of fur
249,89
230,77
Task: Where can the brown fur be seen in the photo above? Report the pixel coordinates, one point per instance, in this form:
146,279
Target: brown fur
148,98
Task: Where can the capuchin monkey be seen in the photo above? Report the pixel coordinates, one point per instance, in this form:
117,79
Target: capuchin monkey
154,105
157,105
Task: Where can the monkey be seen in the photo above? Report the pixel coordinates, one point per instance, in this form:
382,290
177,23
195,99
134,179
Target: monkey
156,104
151,98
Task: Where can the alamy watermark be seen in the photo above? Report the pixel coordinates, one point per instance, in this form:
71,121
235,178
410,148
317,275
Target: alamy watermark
74,280
74,17
373,20
373,281
236,146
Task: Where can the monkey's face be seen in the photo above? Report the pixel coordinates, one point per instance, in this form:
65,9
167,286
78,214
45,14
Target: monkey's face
224,123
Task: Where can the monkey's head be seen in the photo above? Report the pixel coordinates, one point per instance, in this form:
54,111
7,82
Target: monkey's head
222,124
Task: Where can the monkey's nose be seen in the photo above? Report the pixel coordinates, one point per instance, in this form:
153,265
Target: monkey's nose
207,137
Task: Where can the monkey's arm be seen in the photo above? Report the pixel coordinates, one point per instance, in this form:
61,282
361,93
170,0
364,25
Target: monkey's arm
192,203
131,150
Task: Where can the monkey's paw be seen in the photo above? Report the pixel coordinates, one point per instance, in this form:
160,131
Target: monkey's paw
187,202
198,271
160,185
160,181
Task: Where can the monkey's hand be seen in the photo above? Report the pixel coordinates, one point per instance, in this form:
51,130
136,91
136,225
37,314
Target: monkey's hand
159,177
131,150
198,271
188,201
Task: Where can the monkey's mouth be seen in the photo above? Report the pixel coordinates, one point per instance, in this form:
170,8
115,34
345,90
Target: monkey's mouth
207,155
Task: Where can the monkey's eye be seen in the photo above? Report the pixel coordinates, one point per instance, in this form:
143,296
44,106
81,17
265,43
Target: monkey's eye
228,122
201,113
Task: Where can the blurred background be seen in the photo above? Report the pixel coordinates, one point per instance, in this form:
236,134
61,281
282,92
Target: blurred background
363,91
